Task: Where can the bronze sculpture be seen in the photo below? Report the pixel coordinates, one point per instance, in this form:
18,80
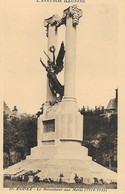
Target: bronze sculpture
53,68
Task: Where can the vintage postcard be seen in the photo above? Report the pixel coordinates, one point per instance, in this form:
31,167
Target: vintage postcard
63,88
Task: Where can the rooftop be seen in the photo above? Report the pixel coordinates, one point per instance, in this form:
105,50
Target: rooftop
112,104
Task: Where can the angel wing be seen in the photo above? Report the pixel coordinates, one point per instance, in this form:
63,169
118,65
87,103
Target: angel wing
59,60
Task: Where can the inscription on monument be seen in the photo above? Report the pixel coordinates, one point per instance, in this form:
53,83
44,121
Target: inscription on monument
49,126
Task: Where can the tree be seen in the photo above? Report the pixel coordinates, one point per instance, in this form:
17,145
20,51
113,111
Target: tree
20,135
99,133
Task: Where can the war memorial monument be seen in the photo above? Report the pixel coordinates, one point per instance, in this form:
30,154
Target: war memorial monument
60,126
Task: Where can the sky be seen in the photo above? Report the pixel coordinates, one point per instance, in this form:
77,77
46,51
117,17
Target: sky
24,39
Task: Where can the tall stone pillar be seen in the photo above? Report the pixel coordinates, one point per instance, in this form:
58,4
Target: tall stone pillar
71,121
72,15
50,24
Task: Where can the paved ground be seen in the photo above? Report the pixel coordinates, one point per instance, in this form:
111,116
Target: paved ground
14,184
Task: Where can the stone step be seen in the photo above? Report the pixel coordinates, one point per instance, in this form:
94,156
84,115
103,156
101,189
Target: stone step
63,151
53,168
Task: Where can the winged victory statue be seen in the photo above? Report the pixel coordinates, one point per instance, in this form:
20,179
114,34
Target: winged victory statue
53,67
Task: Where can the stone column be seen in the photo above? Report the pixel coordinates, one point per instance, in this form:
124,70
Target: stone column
50,24
71,15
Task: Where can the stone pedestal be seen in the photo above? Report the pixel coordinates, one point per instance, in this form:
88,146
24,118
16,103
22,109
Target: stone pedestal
59,123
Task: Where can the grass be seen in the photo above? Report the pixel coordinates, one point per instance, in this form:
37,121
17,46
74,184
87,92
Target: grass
15,184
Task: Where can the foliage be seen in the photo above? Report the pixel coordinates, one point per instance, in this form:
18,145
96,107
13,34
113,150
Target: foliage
5,160
100,134
20,135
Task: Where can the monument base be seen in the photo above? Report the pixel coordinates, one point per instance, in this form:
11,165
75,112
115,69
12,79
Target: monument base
60,123
64,150
59,150
52,168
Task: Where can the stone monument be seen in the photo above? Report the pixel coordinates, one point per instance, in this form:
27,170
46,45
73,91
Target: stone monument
60,125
